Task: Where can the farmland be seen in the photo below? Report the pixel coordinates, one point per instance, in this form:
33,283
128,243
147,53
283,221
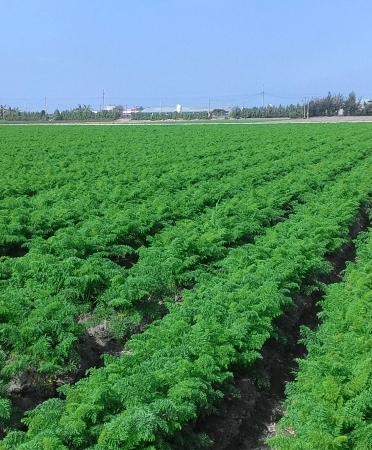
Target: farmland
184,245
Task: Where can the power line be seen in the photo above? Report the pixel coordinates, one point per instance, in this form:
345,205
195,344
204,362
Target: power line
225,100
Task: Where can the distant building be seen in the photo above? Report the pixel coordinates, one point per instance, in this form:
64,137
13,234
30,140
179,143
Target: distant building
365,103
127,112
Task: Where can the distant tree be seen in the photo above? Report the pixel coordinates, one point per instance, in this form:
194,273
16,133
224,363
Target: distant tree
367,108
120,109
235,113
57,115
217,112
326,106
2,111
352,106
294,111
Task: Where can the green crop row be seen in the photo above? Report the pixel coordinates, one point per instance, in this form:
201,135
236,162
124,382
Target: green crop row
180,252
329,406
175,369
132,182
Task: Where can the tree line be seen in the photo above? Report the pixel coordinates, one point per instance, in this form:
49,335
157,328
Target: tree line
79,113
85,112
330,105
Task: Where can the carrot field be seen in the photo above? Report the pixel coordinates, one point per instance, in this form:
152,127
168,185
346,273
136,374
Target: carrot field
184,245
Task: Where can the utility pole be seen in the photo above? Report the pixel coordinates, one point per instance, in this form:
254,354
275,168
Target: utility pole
45,106
304,108
103,99
209,109
308,107
263,96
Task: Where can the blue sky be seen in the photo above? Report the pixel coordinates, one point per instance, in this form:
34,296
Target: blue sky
147,52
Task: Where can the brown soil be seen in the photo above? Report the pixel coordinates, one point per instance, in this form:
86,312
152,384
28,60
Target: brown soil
249,418
31,388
